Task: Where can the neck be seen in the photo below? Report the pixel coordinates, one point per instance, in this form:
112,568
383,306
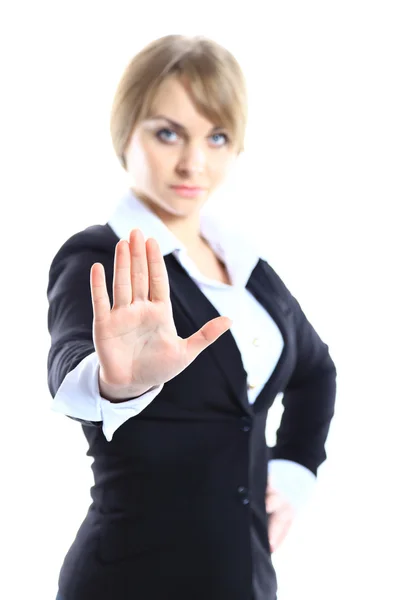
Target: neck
186,228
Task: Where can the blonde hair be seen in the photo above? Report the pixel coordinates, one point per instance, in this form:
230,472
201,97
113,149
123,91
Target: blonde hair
216,86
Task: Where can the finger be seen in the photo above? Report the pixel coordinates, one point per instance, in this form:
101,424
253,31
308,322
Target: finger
278,528
139,268
205,336
270,488
122,287
274,502
98,289
158,274
273,530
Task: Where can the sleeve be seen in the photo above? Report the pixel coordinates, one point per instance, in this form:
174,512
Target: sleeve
309,397
78,397
72,361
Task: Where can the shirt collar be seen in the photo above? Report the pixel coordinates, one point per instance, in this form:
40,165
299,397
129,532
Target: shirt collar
236,251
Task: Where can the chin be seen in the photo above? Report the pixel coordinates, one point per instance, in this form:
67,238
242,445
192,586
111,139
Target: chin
168,204
181,207
178,200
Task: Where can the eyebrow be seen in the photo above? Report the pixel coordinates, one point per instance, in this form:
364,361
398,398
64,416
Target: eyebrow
175,124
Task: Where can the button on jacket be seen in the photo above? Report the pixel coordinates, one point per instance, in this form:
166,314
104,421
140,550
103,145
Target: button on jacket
178,506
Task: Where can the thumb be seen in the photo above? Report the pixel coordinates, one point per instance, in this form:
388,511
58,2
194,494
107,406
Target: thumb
206,336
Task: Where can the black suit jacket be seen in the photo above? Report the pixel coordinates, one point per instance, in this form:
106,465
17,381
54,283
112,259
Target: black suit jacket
178,507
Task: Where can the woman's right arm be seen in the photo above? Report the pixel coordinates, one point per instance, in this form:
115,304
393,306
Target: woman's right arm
80,398
73,365
123,351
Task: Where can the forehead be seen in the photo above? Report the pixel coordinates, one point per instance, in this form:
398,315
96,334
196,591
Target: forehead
172,100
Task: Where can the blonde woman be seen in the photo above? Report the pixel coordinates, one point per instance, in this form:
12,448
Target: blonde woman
170,340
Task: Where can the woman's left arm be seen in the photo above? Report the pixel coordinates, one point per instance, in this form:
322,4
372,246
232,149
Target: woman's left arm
308,402
309,398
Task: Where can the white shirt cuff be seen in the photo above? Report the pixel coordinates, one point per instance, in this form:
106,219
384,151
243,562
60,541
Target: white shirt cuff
294,481
79,396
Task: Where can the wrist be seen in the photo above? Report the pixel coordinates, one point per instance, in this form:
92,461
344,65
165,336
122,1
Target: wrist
118,393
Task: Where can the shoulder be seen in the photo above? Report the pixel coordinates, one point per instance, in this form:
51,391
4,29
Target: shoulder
94,240
73,260
273,277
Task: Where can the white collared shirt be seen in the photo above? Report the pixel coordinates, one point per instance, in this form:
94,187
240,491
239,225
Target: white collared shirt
257,336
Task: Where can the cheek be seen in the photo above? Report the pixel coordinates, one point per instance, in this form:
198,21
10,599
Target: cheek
160,161
149,162
220,166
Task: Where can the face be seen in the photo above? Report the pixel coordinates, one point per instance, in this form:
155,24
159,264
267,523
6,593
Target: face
176,158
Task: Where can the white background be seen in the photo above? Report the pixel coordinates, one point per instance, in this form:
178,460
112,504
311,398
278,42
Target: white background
319,186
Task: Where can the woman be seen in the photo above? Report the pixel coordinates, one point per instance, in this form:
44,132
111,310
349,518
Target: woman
172,396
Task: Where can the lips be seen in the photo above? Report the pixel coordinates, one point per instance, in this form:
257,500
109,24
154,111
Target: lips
187,191
191,188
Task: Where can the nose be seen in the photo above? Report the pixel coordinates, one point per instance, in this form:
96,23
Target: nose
192,160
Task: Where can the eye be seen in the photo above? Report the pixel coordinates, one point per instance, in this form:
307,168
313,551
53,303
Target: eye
166,135
219,139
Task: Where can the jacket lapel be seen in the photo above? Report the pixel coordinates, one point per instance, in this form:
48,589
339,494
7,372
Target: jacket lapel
261,285
199,310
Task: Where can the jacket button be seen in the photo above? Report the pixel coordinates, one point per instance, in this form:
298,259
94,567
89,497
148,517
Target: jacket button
246,424
243,493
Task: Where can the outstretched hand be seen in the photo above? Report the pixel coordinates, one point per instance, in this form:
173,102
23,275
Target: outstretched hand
136,340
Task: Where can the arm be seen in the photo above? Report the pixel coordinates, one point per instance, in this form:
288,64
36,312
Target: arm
79,397
308,403
72,362
309,397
